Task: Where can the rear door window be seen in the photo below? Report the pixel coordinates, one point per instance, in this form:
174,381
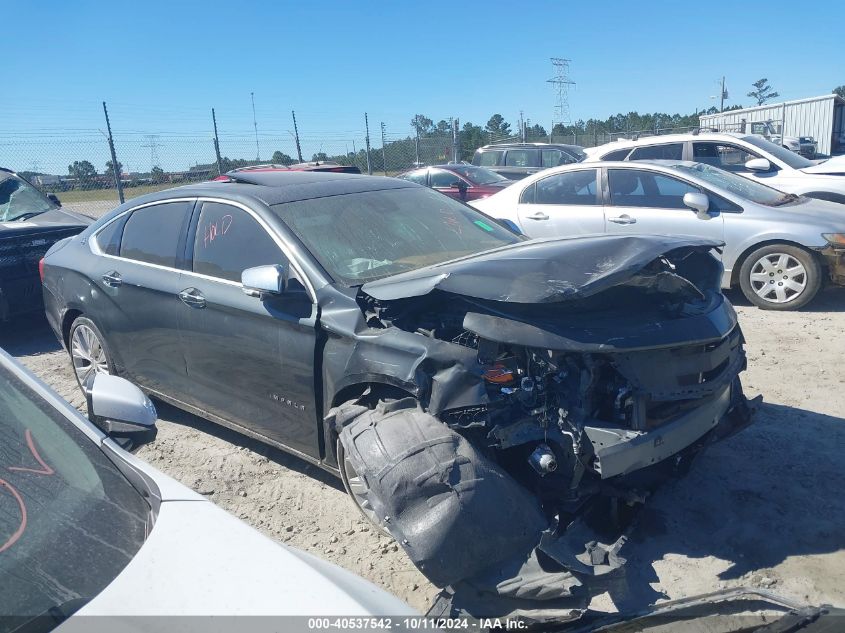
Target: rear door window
417,176
108,239
520,158
152,234
574,187
669,151
553,158
722,155
228,240
488,158
442,179
619,154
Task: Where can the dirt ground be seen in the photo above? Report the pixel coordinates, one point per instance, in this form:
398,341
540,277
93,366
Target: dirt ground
765,508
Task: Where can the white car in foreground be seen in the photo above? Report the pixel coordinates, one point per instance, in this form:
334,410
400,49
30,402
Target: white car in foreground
87,529
747,155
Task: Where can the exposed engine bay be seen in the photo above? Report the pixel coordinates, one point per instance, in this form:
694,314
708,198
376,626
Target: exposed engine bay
514,469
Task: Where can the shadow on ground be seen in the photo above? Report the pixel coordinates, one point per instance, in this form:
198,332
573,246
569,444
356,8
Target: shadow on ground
772,492
27,335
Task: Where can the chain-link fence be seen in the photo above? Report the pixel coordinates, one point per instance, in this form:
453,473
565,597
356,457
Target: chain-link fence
77,164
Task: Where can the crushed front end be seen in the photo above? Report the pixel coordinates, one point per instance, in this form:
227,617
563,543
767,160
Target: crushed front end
586,401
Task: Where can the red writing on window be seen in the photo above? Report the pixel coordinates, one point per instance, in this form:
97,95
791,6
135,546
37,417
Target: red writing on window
44,469
216,229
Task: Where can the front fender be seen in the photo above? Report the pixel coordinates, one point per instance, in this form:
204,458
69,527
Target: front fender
735,252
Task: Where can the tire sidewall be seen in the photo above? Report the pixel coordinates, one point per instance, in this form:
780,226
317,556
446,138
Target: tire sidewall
808,260
82,320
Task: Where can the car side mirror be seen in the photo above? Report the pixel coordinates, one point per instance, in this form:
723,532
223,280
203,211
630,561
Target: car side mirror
758,164
265,280
54,199
121,411
459,184
698,202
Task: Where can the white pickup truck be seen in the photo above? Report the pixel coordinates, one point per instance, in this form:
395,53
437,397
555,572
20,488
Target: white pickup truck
804,145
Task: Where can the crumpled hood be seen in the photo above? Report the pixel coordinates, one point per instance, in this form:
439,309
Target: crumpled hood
539,271
57,219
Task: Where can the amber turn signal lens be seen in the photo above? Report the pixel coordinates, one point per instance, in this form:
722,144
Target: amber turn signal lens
498,374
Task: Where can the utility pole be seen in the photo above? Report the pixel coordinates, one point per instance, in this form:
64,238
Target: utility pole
296,136
217,144
383,155
367,139
417,147
255,125
114,165
456,150
723,95
521,126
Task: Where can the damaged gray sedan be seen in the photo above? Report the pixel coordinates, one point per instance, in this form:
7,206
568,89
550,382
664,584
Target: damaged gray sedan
498,405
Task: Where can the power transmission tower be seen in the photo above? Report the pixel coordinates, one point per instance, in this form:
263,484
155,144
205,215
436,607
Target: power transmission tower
153,147
561,82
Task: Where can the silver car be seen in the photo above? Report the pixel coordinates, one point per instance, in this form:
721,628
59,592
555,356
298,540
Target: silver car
779,247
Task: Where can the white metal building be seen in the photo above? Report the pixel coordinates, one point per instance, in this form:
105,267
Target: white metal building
822,117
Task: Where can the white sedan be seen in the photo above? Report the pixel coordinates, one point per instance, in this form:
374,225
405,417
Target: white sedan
86,528
779,247
746,155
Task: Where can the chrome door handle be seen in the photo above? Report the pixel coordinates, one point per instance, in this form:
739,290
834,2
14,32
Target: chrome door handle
537,215
623,219
112,279
192,297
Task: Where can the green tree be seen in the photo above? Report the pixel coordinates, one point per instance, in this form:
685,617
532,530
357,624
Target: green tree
322,157
497,126
157,174
762,91
82,170
280,158
109,170
840,90
472,137
536,131
422,124
442,127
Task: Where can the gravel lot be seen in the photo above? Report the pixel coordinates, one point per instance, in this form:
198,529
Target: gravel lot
766,508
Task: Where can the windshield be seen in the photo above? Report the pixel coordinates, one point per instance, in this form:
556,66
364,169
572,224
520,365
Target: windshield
360,237
19,199
737,185
796,161
477,175
69,520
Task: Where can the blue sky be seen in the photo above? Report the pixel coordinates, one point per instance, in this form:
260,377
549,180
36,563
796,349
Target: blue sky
161,66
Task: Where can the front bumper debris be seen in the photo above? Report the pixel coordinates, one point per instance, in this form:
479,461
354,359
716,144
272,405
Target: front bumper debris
835,259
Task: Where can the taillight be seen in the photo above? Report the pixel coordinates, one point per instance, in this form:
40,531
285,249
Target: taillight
41,269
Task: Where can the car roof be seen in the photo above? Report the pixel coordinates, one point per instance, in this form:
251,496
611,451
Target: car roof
276,187
529,146
670,138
